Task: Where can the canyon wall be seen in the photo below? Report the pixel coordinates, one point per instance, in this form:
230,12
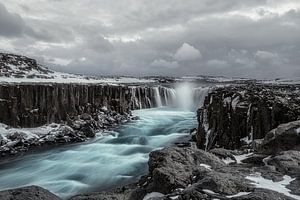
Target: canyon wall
31,105
233,116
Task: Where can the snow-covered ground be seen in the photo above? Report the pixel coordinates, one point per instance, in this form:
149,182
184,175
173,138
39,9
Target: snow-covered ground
10,136
294,80
68,78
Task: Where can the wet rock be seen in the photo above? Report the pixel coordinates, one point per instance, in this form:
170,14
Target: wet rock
173,167
223,153
192,193
263,194
284,137
287,162
28,193
233,116
223,183
255,159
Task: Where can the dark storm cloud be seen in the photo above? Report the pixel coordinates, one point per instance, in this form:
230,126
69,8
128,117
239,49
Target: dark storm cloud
255,38
11,24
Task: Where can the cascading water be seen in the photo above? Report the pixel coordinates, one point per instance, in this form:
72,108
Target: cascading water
185,96
199,95
157,97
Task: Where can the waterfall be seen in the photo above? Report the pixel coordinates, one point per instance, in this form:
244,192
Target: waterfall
157,97
185,96
199,95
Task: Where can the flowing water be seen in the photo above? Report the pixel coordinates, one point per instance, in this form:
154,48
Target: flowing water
112,159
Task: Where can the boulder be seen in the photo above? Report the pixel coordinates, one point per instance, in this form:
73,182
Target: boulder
28,193
284,137
174,167
287,162
223,183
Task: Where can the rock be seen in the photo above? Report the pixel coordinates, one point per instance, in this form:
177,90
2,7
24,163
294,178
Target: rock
58,102
223,153
233,116
255,159
192,193
263,194
85,116
28,193
287,162
284,137
173,167
223,183
118,194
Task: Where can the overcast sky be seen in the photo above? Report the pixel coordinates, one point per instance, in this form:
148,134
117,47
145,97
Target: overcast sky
248,38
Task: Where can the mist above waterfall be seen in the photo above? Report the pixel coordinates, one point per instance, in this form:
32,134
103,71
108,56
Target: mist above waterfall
185,95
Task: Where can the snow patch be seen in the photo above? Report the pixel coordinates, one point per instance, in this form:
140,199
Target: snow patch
234,102
228,161
298,130
209,191
242,157
238,194
246,139
226,101
260,182
153,195
205,166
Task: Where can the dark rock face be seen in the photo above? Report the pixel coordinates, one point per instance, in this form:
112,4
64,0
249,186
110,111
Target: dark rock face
234,114
28,193
28,105
284,137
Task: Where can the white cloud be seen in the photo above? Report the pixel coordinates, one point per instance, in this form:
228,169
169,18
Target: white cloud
187,53
265,55
217,63
164,63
